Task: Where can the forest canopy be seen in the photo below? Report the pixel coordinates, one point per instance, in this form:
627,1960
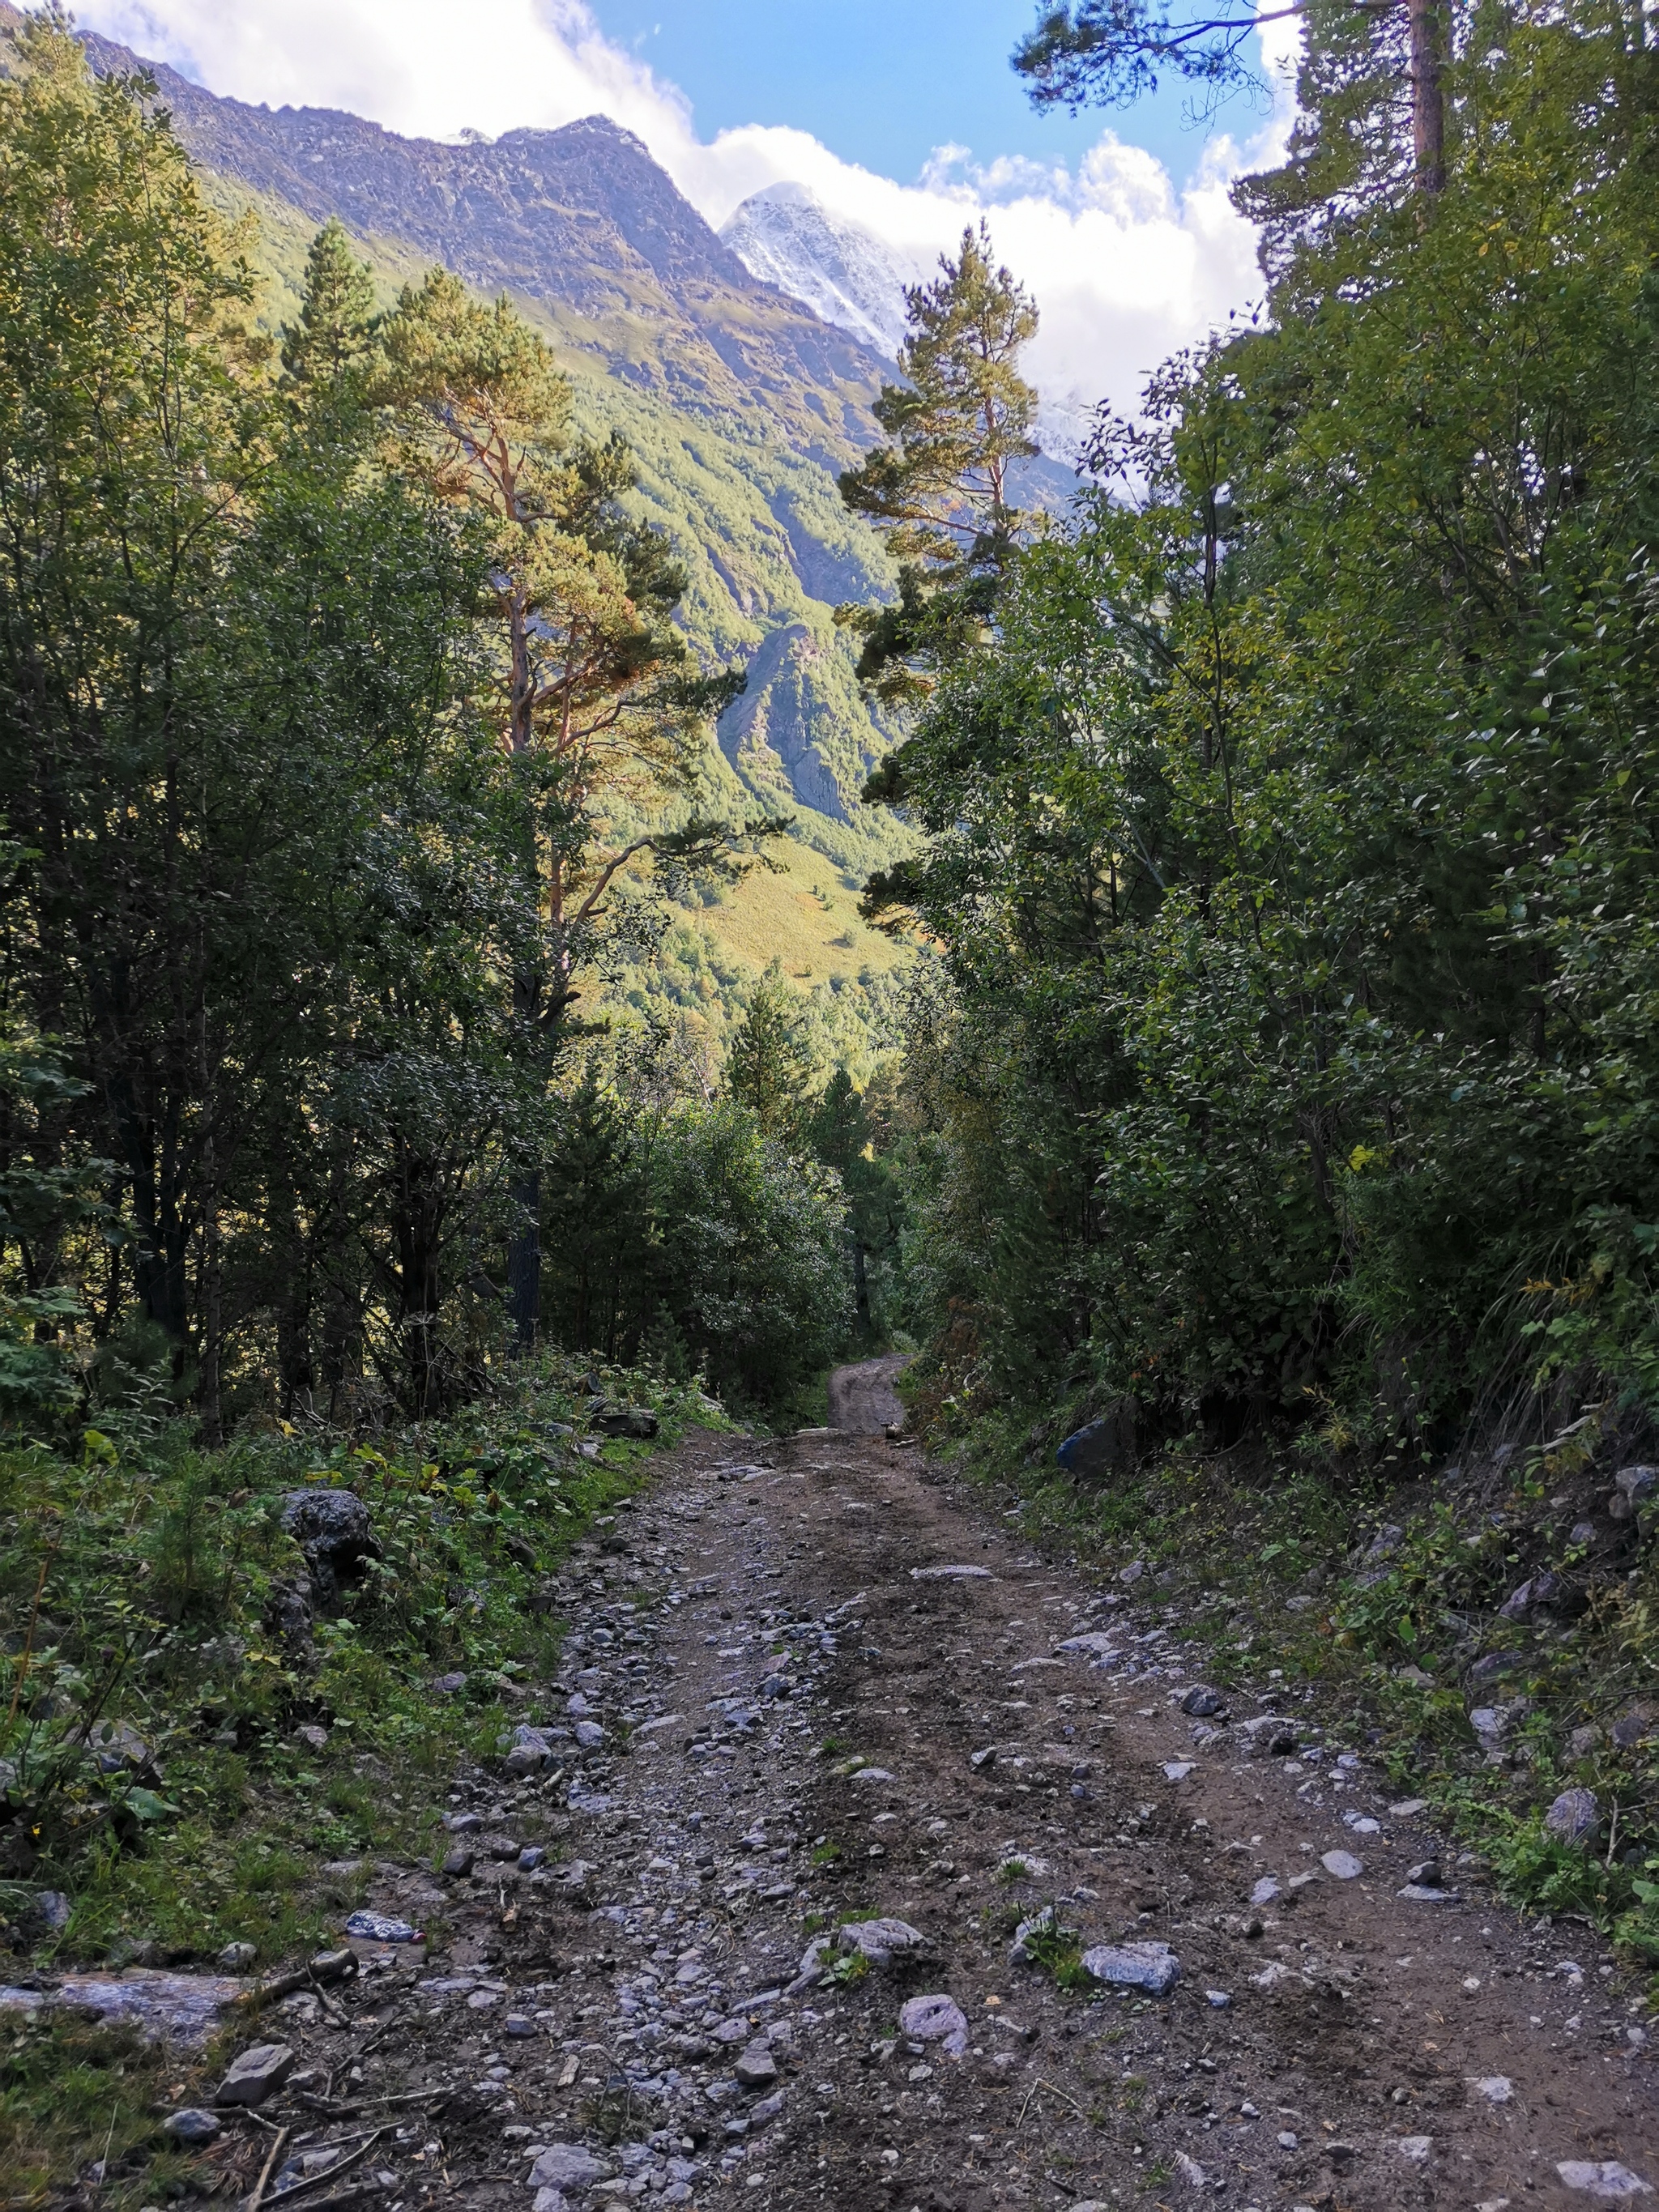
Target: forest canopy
1290,816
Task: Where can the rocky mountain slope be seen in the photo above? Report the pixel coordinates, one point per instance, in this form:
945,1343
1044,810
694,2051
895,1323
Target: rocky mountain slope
581,221
787,237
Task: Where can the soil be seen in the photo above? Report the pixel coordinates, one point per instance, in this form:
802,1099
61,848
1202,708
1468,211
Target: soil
764,1618
862,1399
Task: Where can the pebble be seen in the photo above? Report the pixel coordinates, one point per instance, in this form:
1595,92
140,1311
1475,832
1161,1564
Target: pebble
1266,1892
192,2126
951,1574
236,1958
1343,1866
1415,2148
1152,1967
1218,1998
1496,2089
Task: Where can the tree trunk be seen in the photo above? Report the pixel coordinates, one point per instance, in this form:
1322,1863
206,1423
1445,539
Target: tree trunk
1428,94
294,1374
861,1286
524,1262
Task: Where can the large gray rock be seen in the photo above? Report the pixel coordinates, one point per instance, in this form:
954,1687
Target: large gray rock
119,1747
756,2068
1546,1592
568,2165
336,1537
174,2007
936,2019
882,1942
625,1421
530,1750
192,2126
1152,1966
1574,1818
1602,2177
1633,1488
256,2073
1103,1447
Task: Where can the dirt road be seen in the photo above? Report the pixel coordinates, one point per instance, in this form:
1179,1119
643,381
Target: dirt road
862,1399
819,1686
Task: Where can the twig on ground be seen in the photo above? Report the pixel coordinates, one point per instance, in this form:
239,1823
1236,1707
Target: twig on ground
334,2172
1054,2091
266,2170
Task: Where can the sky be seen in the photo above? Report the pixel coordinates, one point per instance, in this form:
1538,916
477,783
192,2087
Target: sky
901,115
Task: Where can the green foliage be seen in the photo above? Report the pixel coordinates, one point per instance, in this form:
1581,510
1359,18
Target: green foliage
769,1065
685,1232
1290,841
939,490
148,1755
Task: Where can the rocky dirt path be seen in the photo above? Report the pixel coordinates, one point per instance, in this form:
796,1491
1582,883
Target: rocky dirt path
815,1684
862,1400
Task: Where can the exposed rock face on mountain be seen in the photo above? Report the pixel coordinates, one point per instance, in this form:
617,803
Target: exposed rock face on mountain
786,236
581,221
793,736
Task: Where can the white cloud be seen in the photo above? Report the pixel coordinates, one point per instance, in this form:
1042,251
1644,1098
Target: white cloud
1124,267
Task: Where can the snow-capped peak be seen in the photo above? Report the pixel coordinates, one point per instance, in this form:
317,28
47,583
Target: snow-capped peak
786,236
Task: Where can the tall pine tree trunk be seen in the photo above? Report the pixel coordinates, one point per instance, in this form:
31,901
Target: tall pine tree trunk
1428,93
524,1261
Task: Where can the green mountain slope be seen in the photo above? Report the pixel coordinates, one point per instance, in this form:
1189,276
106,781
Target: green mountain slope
740,405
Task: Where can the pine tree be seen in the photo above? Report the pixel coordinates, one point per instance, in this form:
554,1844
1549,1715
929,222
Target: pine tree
939,489
334,337
771,1063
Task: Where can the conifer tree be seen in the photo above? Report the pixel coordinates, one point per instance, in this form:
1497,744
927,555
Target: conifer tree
599,699
939,489
770,1065
334,336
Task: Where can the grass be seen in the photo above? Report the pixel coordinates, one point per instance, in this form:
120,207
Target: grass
141,1588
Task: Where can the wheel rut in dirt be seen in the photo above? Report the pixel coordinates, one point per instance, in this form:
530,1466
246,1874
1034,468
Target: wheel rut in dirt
815,1683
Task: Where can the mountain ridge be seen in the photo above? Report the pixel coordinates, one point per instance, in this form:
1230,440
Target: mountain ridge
581,219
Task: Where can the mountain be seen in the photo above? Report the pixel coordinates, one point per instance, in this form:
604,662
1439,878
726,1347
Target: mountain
785,236
581,220
741,406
